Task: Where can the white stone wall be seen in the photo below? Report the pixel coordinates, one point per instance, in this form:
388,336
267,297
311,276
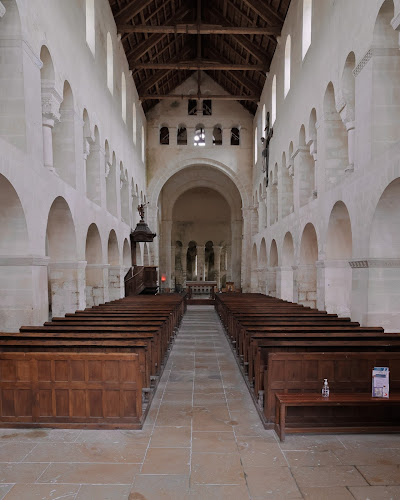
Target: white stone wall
212,166
346,87
89,139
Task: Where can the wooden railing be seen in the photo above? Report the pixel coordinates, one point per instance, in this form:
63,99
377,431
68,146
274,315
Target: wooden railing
138,278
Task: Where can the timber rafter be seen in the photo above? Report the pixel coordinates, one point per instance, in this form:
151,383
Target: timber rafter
232,41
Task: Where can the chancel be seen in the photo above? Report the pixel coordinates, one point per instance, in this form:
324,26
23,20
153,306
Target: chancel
199,224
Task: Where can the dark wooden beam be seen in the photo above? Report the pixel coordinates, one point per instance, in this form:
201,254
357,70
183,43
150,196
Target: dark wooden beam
203,29
140,50
266,12
250,86
203,66
131,10
216,97
246,43
159,75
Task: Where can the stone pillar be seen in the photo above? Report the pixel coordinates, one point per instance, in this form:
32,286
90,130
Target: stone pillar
173,270
184,265
351,136
201,254
166,268
23,291
271,281
152,222
306,279
334,286
226,136
217,265
67,287
116,282
96,284
246,249
378,303
262,280
284,283
209,136
51,101
236,248
314,154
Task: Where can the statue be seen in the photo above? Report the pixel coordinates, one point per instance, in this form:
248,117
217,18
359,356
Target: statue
140,209
269,134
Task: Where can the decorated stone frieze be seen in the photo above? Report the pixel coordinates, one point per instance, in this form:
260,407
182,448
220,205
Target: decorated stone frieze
375,263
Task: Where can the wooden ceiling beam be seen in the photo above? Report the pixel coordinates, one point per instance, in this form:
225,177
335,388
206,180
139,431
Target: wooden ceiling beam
250,86
216,97
203,29
266,12
203,65
246,43
140,50
131,10
159,75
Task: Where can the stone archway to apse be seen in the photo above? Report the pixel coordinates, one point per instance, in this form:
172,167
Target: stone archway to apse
200,204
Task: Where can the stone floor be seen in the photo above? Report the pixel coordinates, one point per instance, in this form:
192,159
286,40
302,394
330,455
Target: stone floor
202,440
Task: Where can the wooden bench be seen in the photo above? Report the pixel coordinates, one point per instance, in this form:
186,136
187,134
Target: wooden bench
284,401
135,328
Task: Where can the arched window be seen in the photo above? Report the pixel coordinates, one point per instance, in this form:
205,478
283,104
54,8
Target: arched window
134,123
199,136
307,17
273,101
110,64
123,96
255,146
181,136
90,27
287,65
143,146
235,136
164,135
217,135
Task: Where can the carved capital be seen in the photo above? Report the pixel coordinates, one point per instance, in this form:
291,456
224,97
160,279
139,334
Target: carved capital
108,168
51,101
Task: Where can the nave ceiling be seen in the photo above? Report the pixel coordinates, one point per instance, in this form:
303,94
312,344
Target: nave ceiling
166,41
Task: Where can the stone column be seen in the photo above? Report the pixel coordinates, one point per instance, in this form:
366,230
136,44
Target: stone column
270,288
152,222
314,154
173,270
236,248
284,283
334,286
96,288
23,291
351,136
51,101
262,280
184,265
67,287
116,282
306,278
217,265
376,292
246,249
167,269
201,254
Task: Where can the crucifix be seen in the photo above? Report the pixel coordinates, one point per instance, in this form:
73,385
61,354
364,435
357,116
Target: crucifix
269,134
141,211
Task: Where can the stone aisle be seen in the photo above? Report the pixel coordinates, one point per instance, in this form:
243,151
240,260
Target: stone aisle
202,440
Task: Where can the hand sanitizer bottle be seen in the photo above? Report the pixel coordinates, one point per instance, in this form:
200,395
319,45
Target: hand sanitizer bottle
325,389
